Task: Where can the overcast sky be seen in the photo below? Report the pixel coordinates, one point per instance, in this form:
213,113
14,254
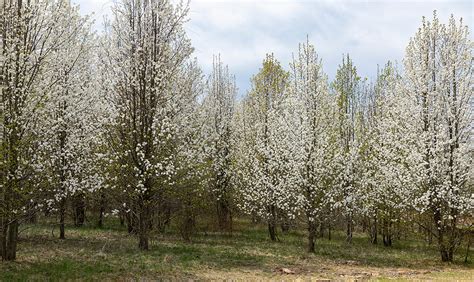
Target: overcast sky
242,31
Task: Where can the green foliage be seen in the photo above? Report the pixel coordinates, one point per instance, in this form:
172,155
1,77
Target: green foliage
271,80
345,84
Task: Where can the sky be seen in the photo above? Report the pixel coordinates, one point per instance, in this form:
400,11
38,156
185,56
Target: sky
243,31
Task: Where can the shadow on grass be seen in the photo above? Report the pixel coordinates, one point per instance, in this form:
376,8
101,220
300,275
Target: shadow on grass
91,253
63,269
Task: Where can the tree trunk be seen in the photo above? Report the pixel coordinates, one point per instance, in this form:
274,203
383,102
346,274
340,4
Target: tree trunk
79,210
224,215
32,218
329,230
130,222
399,231
373,231
445,256
188,222
272,224
468,247
272,231
322,229
430,234
446,252
144,219
143,228
285,225
62,211
100,224
3,237
311,236
165,217
187,227
349,229
9,240
387,232
143,242
122,218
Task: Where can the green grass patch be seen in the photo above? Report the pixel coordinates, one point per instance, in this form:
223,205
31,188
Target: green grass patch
56,270
91,253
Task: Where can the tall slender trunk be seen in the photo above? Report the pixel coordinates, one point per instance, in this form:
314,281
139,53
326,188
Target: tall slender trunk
100,223
311,236
131,223
349,229
165,216
122,218
143,241
329,229
373,231
272,230
224,216
285,224
272,223
9,226
387,232
144,218
468,246
430,235
188,223
62,212
445,254
143,227
9,240
322,227
79,210
3,237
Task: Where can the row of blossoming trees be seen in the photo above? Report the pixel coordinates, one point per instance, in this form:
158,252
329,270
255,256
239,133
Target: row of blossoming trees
124,123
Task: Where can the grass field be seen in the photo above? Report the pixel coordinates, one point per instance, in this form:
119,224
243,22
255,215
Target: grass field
111,254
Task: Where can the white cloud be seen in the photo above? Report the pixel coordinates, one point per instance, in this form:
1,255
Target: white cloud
243,31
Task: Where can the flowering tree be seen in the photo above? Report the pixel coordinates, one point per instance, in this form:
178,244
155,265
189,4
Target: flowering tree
186,189
218,111
33,33
68,120
264,170
347,89
314,130
148,51
388,158
438,66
